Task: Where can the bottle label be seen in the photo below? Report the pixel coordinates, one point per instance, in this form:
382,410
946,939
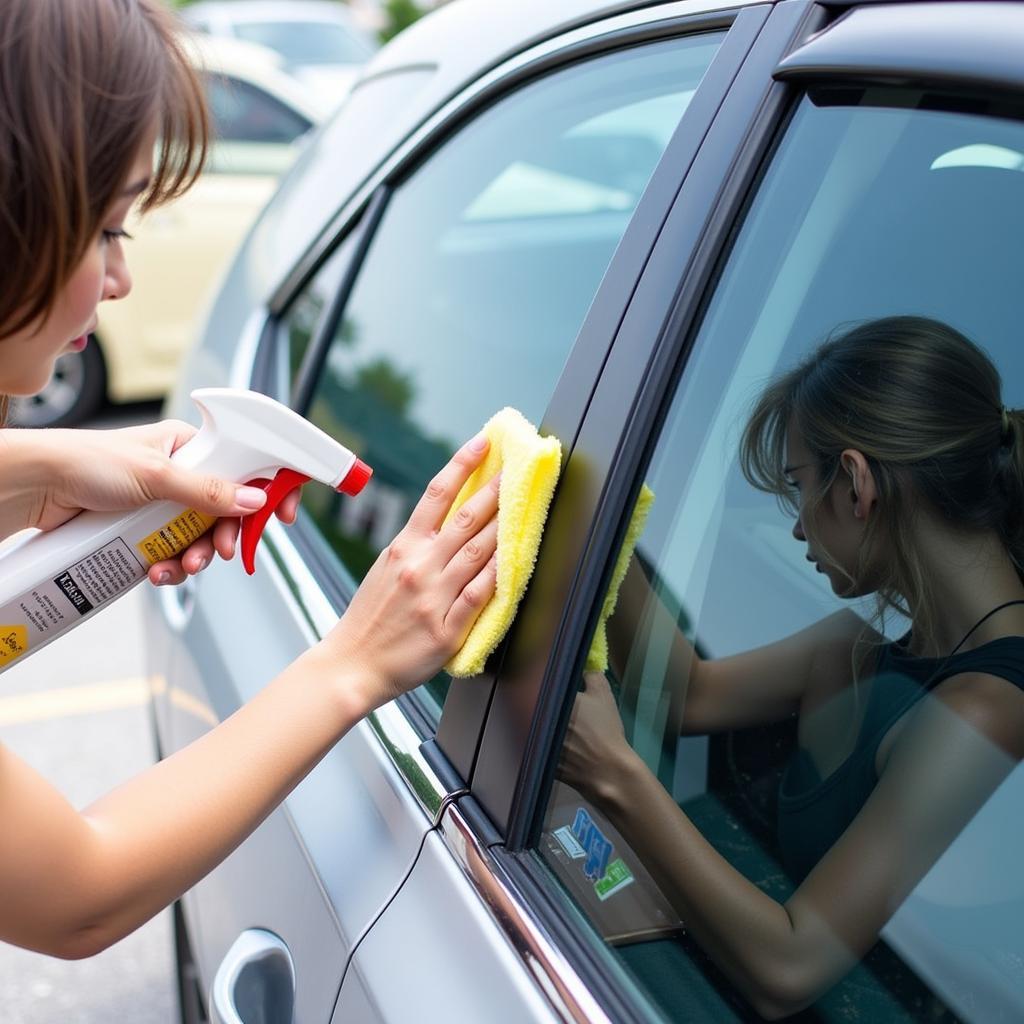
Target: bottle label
172,538
49,608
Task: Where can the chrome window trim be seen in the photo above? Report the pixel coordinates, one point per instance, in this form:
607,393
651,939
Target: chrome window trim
586,41
278,557
564,989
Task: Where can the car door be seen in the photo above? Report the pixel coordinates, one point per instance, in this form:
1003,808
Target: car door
458,286
459,906
871,133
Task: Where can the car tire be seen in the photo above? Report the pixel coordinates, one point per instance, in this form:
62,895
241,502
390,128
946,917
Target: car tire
75,391
191,1008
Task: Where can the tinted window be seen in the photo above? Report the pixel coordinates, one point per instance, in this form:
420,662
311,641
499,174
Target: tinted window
726,810
482,271
304,316
243,113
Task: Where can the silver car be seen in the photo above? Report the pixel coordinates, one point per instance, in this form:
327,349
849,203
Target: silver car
619,218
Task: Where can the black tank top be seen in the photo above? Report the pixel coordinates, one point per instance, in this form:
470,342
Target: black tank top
814,812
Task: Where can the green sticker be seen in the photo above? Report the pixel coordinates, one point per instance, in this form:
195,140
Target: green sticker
617,877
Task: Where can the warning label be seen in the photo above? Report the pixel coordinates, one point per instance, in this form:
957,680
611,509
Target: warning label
48,609
13,642
170,540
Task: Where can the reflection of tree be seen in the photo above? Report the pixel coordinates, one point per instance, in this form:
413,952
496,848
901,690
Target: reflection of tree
394,389
302,320
347,334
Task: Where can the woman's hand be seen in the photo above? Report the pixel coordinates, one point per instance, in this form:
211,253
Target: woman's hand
595,751
419,600
114,470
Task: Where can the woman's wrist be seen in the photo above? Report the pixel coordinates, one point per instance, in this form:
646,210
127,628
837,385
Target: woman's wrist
351,682
622,778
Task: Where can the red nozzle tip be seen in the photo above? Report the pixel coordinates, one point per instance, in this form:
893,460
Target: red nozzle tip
356,478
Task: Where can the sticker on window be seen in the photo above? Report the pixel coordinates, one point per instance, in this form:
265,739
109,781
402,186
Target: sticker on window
616,878
598,848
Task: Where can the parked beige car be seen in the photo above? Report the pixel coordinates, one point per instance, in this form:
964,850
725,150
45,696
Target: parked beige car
178,253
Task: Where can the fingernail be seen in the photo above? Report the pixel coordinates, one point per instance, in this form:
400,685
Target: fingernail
200,565
164,577
479,443
250,497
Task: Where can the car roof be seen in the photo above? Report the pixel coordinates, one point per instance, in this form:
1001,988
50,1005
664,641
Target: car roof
451,36
439,56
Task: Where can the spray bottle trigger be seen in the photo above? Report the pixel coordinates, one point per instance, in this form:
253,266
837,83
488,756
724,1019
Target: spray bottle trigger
277,490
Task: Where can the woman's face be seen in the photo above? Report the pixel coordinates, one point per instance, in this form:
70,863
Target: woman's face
27,357
834,529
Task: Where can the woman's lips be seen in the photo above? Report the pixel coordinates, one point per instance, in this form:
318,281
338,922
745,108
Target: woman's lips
79,343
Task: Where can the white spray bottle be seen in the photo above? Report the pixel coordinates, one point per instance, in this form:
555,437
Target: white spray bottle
51,582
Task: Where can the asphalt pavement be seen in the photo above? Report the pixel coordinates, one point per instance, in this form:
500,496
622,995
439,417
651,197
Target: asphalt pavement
76,712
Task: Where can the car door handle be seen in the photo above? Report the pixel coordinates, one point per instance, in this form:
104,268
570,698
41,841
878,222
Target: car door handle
177,603
255,983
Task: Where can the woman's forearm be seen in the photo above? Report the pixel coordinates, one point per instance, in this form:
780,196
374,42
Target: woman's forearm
24,472
775,963
150,840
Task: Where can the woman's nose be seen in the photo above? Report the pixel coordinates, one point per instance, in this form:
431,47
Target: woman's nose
119,279
798,530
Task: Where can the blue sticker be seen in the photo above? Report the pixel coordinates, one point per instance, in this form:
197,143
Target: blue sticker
597,846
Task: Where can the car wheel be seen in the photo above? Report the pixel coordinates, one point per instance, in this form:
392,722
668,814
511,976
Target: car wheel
76,390
190,997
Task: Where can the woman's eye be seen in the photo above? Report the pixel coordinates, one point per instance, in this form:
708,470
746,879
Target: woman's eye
116,234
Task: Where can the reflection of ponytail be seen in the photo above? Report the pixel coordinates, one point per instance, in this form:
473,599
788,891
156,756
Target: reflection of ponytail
1010,479
923,404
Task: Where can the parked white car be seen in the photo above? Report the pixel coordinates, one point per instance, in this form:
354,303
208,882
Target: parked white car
320,42
177,254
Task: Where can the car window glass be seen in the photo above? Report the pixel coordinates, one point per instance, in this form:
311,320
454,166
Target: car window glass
243,113
481,272
304,315
693,742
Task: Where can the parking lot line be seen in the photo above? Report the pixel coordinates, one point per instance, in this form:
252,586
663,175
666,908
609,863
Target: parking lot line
73,700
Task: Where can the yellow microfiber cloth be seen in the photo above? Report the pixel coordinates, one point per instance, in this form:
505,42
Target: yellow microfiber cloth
597,656
529,466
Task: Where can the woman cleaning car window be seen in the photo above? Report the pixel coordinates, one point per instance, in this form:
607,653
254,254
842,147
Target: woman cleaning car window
100,111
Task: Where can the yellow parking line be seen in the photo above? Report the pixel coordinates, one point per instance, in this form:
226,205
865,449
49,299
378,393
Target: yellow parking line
73,700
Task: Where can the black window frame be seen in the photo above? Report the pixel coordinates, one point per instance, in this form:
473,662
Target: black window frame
600,471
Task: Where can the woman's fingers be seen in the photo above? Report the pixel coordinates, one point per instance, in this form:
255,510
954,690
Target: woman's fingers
470,520
469,559
167,574
441,491
289,507
472,600
199,555
225,536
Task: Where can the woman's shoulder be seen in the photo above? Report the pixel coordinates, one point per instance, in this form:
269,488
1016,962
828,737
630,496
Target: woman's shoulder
991,704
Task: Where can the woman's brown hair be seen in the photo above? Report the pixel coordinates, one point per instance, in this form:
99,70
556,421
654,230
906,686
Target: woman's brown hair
924,405
83,84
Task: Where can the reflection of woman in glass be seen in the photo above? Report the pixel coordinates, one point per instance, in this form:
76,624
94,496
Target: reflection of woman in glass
906,472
